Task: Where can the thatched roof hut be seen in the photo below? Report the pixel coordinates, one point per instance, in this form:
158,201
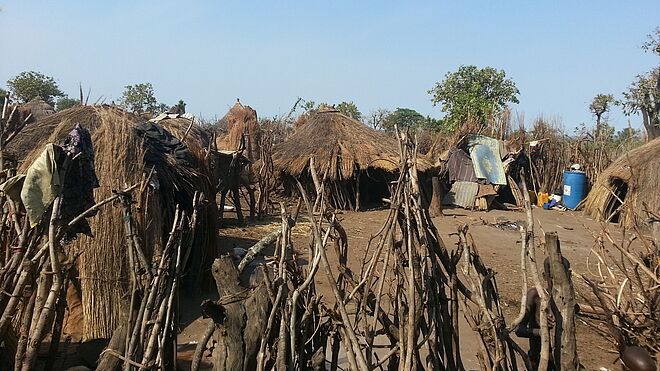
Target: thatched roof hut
39,108
241,119
633,178
122,158
357,161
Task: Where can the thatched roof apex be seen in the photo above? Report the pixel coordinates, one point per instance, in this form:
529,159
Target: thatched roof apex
240,114
39,108
343,144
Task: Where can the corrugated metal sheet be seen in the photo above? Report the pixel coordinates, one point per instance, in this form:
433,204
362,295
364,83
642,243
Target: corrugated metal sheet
459,166
485,154
462,194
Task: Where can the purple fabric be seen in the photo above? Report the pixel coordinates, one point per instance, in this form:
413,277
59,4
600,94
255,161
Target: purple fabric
79,181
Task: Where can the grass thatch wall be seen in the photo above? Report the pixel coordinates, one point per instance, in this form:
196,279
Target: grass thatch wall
639,170
119,161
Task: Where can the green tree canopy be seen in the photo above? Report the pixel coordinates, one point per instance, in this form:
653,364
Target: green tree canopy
652,43
309,105
181,106
66,102
139,98
628,134
472,93
350,109
404,118
29,84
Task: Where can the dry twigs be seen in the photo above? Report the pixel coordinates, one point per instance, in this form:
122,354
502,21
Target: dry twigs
624,283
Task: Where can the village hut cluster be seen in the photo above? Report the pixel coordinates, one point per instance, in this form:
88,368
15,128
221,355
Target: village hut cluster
109,218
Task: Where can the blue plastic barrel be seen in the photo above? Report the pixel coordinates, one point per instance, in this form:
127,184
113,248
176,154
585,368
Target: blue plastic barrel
575,186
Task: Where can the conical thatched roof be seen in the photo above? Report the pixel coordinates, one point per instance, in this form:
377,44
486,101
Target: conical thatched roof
343,144
639,170
39,108
241,119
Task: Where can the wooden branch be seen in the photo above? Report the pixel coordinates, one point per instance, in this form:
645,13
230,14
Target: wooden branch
96,207
361,362
201,347
565,346
49,305
253,251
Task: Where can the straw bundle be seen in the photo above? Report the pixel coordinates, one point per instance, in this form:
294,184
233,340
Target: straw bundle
639,170
119,161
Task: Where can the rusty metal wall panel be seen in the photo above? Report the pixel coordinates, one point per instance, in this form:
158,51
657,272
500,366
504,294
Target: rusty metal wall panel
462,194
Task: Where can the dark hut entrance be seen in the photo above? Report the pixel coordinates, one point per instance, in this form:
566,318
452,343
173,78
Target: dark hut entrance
612,210
373,186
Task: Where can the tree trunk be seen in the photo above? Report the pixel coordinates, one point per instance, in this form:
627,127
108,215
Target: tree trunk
650,124
109,361
239,331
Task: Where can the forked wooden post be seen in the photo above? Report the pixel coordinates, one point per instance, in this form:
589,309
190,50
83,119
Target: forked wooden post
565,349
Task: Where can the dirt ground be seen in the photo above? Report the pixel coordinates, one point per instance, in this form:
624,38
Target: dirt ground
499,248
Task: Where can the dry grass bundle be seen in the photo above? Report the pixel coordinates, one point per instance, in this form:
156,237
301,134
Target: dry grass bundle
241,120
119,161
340,145
631,180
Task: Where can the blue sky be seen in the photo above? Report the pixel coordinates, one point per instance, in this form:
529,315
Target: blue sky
375,53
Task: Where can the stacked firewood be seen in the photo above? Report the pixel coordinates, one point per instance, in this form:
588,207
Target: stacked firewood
148,337
400,311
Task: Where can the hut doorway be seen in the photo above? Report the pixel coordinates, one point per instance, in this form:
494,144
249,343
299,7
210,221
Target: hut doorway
373,186
612,210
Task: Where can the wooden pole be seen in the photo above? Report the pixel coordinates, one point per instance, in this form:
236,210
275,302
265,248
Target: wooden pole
435,207
565,347
357,190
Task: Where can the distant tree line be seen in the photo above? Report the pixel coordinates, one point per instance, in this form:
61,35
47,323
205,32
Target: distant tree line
469,95
27,85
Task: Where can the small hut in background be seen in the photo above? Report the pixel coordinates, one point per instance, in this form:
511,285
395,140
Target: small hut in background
241,120
480,172
39,108
357,162
126,150
627,191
